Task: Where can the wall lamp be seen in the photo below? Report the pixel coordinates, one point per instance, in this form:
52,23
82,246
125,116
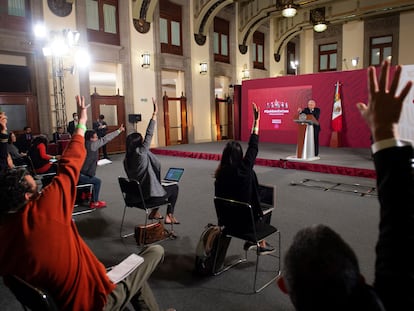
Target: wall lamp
355,61
203,68
145,60
245,73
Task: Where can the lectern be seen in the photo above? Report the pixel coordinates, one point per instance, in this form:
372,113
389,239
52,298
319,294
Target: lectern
306,141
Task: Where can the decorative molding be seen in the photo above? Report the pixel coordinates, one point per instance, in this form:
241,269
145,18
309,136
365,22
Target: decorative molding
206,16
243,48
60,8
141,25
200,39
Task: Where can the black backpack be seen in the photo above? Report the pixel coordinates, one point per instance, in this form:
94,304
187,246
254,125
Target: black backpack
207,248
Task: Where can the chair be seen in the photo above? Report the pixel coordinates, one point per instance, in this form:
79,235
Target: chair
83,194
44,178
30,297
134,198
237,220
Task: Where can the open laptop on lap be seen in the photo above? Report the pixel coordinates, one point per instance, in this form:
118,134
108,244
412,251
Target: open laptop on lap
172,176
267,197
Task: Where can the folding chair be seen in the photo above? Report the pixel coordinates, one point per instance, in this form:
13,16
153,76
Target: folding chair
134,198
237,220
30,297
83,194
44,178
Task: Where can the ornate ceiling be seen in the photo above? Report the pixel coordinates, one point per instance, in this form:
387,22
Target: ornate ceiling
253,13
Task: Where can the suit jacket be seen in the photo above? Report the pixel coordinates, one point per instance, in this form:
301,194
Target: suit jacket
71,127
316,113
394,267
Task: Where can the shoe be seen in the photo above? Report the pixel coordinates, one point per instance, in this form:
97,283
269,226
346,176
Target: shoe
172,220
248,246
98,204
266,250
155,215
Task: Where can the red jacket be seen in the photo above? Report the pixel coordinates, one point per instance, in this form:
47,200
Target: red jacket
41,244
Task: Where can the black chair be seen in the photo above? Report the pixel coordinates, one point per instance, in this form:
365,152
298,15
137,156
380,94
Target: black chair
83,199
134,198
44,178
236,219
30,297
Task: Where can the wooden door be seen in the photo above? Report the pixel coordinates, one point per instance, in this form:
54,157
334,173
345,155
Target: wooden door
21,110
224,118
175,120
113,108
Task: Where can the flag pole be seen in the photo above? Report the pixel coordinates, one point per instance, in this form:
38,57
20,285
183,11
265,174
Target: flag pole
336,124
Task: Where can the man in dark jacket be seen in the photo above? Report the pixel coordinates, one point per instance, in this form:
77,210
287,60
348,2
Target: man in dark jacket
321,271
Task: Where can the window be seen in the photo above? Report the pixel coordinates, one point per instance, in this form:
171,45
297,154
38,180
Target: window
291,66
328,54
170,28
15,15
102,21
380,49
221,40
258,50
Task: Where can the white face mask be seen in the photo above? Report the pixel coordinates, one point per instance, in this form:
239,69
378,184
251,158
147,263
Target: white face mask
75,118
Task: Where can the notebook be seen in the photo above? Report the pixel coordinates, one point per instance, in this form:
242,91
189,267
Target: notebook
173,176
267,198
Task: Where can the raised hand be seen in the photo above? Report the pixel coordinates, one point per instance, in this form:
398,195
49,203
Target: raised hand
384,106
256,112
83,116
154,103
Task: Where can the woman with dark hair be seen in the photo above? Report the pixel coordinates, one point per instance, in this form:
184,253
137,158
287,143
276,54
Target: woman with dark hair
236,179
41,160
18,158
142,165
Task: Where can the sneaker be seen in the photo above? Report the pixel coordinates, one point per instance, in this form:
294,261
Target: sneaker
248,246
98,204
266,250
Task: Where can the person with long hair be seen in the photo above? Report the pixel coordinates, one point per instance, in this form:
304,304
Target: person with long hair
18,158
142,165
38,154
236,179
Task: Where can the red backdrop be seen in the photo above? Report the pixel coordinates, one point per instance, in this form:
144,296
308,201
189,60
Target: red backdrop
279,99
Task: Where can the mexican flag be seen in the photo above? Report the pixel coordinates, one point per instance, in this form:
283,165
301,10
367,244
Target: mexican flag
337,110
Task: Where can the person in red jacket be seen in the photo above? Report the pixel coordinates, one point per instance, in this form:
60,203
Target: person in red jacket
41,244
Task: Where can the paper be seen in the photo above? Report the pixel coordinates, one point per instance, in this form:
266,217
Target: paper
124,268
104,162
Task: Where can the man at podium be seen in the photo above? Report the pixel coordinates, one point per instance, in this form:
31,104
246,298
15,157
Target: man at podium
313,110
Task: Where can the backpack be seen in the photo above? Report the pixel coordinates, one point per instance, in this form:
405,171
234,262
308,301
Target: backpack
207,248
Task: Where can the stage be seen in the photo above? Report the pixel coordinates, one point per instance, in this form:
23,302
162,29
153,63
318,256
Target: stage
343,161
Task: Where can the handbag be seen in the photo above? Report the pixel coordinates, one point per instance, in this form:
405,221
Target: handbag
150,233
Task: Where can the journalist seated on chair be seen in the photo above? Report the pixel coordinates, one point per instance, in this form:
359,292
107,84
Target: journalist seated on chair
142,165
18,158
41,160
42,246
236,179
321,270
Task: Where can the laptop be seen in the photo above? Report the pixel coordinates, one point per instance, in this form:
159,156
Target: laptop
267,197
173,176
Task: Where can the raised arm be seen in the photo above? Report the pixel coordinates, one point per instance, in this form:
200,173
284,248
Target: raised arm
394,270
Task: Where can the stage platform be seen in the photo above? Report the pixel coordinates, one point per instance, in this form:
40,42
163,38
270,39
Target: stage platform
342,161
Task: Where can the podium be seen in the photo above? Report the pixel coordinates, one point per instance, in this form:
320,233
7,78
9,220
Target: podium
306,142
